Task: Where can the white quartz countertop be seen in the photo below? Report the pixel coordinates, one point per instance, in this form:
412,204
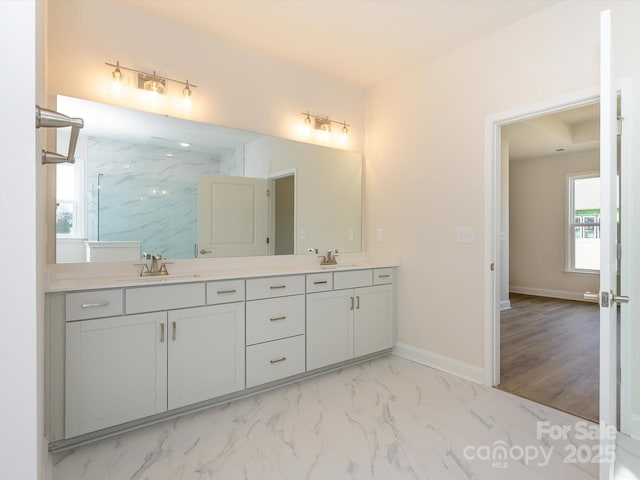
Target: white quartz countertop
64,280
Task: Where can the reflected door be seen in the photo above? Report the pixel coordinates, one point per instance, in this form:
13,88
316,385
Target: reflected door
232,216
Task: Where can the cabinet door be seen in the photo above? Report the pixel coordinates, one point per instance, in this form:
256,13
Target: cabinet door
373,320
116,371
329,328
206,353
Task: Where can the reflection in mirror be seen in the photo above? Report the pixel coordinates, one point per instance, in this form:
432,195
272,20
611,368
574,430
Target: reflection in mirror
146,183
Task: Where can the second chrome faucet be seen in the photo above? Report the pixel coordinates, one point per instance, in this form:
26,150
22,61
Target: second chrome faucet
156,268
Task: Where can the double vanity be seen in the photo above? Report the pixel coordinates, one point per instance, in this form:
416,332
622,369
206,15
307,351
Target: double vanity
128,351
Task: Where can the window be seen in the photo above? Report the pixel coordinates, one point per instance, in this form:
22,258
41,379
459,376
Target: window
584,223
70,200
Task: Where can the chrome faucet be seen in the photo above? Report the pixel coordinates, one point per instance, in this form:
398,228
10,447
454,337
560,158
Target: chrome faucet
155,268
329,258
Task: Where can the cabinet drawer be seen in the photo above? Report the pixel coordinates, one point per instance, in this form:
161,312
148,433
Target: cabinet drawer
166,297
271,361
225,292
382,276
274,318
275,286
94,304
319,282
352,279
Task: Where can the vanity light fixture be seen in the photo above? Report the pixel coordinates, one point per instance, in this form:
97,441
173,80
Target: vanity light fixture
323,126
157,84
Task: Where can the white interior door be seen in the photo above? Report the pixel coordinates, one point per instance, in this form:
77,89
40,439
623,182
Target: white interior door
232,216
608,249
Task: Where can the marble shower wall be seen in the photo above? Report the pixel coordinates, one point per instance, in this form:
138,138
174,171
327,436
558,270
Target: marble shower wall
145,195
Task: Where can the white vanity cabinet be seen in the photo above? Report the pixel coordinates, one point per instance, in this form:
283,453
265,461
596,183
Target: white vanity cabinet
275,328
116,371
122,356
355,319
128,367
206,353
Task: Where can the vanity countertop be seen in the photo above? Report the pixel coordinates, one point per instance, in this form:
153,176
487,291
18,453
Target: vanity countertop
110,279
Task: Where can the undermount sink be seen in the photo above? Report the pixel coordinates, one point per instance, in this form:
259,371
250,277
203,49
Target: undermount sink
159,278
334,267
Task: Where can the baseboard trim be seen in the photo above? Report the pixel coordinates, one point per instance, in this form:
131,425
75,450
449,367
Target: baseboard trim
505,305
440,362
543,292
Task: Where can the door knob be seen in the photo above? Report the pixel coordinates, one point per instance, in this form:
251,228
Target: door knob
608,298
591,297
204,252
619,298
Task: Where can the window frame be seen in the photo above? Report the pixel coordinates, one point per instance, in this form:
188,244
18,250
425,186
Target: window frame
571,223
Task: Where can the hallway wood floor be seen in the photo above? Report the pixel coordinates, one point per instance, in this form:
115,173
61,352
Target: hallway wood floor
550,353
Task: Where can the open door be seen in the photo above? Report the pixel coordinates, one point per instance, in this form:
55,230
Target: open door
608,296
232,216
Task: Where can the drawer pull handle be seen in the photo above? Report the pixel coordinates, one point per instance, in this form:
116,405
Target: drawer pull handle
174,330
220,292
357,302
278,360
94,305
162,333
351,298
274,319
321,282
276,287
384,276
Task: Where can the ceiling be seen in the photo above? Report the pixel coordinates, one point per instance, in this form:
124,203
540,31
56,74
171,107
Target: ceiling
569,131
362,42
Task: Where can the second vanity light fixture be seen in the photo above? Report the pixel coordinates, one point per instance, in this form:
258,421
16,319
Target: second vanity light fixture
151,82
322,125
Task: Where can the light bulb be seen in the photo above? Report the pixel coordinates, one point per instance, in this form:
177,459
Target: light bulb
344,137
307,126
117,81
186,100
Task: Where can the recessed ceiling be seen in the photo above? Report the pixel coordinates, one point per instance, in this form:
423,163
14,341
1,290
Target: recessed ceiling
570,131
363,42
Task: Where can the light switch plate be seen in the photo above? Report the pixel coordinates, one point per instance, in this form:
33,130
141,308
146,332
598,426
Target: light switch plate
379,234
465,235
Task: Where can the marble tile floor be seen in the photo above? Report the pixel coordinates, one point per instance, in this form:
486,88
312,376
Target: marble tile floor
388,418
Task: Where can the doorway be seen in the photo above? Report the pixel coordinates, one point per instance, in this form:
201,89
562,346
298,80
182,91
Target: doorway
494,239
282,192
550,247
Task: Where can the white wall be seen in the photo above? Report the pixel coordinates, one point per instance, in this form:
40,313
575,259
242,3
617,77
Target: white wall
538,211
425,153
21,294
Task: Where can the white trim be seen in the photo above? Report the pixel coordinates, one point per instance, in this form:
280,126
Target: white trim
493,124
440,362
543,292
505,305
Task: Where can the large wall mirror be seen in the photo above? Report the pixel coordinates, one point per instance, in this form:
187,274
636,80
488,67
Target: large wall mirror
147,183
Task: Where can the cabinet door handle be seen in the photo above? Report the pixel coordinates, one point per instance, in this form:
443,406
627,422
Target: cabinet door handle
162,333
384,276
320,282
93,305
357,302
274,319
351,299
173,328
220,292
276,287
278,360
